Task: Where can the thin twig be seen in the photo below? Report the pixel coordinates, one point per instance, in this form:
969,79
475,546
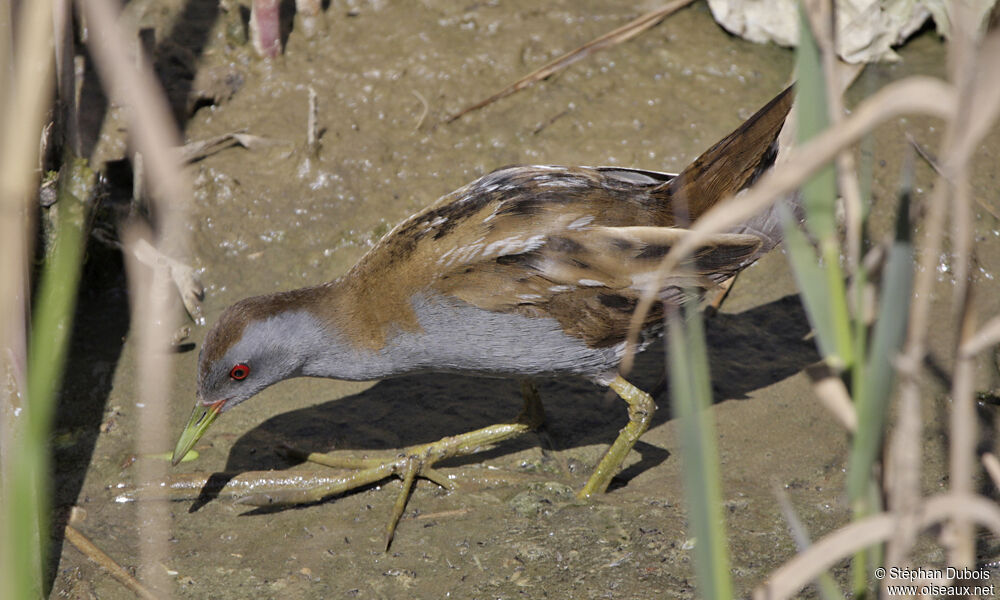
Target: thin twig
932,161
438,515
541,126
617,36
199,149
312,124
81,543
423,114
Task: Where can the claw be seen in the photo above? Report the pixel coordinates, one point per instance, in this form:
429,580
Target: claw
413,467
437,477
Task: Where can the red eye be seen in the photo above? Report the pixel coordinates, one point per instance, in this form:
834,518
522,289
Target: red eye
240,371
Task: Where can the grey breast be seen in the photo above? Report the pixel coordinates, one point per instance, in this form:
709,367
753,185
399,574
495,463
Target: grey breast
459,337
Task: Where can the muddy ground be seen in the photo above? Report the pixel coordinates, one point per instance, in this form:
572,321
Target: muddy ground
278,217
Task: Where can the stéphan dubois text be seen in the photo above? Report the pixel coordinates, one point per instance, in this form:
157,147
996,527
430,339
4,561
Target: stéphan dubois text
930,574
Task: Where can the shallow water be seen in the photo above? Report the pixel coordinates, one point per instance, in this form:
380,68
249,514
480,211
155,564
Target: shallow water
386,75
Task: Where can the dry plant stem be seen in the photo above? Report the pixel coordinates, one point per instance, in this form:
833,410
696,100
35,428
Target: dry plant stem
902,480
987,337
150,289
912,95
824,581
828,551
963,439
981,102
132,84
962,66
961,137
833,394
106,562
617,36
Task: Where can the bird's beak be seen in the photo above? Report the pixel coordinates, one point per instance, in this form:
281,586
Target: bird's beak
201,417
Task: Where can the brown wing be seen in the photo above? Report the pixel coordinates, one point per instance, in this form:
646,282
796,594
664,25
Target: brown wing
590,278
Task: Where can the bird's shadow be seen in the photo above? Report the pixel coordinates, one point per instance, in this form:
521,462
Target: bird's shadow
747,351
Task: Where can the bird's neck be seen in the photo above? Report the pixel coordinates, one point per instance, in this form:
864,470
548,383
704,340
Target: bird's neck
333,332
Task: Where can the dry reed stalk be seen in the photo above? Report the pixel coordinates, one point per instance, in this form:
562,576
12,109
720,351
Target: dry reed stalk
153,135
832,393
150,292
950,196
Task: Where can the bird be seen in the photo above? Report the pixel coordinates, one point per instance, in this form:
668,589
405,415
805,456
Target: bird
527,272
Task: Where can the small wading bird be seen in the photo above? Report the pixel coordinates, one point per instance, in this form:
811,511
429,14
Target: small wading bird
526,272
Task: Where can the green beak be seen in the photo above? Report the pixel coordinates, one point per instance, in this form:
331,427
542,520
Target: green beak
201,417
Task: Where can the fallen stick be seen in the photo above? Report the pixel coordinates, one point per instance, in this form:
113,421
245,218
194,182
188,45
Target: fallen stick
84,545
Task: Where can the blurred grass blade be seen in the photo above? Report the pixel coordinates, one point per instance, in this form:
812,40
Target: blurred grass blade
813,116
824,280
691,395
888,335
50,334
813,288
26,62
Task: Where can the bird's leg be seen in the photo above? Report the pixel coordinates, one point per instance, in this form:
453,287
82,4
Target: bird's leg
640,413
409,463
717,296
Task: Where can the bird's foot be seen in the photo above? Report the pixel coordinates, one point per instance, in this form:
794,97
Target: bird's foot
407,463
640,414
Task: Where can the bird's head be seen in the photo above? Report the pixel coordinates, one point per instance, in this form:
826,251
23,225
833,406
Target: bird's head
254,344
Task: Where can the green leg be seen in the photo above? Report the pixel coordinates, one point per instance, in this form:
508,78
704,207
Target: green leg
408,463
640,413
